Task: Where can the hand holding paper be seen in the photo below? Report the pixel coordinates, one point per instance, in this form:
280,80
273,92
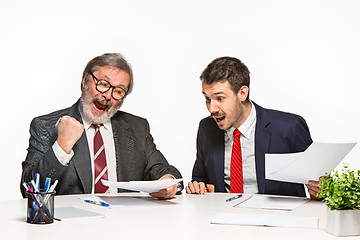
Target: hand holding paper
165,193
143,186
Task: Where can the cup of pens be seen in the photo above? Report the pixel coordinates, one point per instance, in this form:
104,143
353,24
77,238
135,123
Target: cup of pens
40,207
40,201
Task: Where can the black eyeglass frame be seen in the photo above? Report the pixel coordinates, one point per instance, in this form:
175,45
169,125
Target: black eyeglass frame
111,86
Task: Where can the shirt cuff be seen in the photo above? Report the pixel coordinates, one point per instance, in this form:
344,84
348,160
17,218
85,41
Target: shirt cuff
62,156
307,194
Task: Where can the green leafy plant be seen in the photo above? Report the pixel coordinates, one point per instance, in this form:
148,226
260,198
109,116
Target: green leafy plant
341,191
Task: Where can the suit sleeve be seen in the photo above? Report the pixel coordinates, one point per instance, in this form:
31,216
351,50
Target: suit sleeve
303,140
199,171
157,166
40,157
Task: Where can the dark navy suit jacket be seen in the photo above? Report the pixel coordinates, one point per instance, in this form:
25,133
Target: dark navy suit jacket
275,132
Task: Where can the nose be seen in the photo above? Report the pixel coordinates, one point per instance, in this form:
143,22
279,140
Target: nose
107,94
213,107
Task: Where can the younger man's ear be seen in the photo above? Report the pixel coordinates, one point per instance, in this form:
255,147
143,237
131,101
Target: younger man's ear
243,93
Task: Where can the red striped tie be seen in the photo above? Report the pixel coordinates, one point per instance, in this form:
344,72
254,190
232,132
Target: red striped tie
100,167
236,171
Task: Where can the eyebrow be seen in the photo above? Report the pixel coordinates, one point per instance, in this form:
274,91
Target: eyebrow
108,79
214,94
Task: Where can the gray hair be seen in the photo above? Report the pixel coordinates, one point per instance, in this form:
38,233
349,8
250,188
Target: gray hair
109,59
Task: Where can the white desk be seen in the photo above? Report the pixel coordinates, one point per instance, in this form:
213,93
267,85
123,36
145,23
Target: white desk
184,217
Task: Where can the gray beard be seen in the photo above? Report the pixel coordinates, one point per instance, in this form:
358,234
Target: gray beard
86,101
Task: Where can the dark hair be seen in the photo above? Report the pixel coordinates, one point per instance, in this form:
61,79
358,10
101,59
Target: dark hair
227,68
109,59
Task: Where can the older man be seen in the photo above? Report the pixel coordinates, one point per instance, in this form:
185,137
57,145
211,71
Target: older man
92,140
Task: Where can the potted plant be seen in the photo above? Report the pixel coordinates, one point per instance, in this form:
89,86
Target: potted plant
341,193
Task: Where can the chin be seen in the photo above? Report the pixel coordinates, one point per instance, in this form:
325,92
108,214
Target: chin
222,127
95,118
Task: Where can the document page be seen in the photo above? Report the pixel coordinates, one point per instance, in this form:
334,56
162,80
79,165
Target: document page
316,161
143,186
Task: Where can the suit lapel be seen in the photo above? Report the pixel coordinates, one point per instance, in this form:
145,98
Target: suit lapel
124,144
81,159
219,154
262,140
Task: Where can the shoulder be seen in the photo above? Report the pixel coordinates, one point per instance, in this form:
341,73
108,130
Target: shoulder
208,128
277,117
208,123
284,126
129,119
128,116
50,119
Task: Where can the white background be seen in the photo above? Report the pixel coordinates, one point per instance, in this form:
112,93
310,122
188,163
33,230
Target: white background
303,57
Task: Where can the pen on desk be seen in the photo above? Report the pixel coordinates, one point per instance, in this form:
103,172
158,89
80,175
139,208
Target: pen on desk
104,204
233,198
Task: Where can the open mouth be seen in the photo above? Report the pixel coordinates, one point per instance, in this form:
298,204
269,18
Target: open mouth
100,106
219,118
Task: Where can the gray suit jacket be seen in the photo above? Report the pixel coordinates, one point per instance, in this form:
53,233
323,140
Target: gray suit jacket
136,155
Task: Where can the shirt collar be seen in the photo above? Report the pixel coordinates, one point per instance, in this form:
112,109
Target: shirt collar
245,128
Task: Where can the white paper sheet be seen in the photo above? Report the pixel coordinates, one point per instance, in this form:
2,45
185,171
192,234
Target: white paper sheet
265,220
272,202
143,186
73,213
316,161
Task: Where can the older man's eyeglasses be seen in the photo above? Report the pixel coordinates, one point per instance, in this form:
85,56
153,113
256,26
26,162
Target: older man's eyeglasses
103,86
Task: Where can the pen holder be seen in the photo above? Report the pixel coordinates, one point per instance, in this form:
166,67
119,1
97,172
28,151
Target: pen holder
40,207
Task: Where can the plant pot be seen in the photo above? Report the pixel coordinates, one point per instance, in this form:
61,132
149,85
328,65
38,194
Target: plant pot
343,222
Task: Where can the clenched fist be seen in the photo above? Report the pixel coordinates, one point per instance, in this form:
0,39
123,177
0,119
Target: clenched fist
69,132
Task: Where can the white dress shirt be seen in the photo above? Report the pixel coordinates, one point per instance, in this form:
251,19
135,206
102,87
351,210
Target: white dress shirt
247,141
108,139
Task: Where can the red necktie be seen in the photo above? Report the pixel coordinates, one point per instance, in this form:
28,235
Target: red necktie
100,167
236,171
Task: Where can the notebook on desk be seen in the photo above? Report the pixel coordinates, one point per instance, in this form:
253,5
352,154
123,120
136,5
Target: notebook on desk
73,213
272,202
270,220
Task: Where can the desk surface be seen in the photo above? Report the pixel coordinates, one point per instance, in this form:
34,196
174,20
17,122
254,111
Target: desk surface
184,217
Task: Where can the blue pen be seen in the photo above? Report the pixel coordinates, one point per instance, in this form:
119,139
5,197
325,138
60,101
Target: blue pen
47,184
104,204
233,198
